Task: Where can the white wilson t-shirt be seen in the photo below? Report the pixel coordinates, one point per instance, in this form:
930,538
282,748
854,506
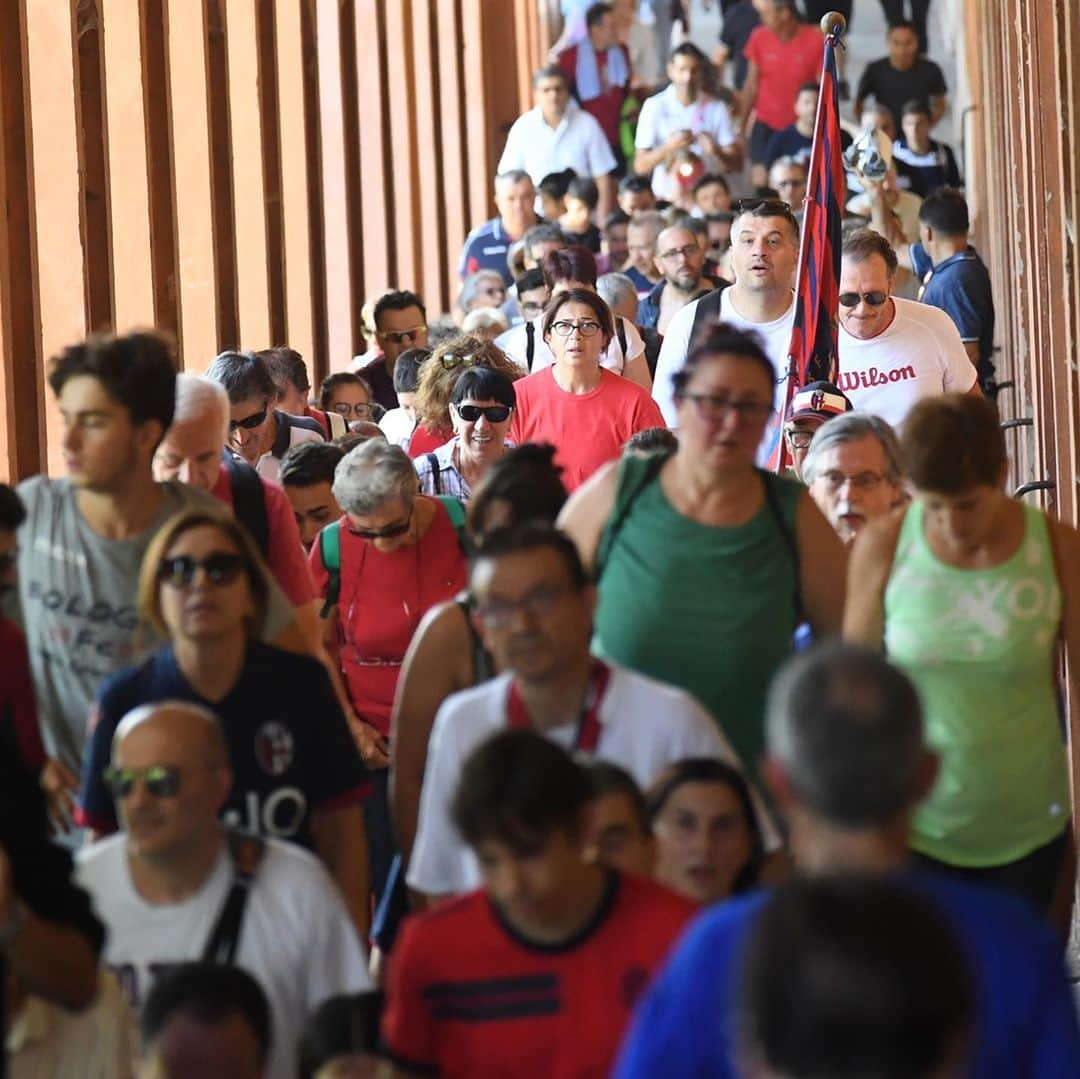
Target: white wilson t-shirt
645,725
663,114
919,355
515,343
297,939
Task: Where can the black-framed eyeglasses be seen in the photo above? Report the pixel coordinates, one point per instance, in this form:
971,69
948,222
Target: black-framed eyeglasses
251,422
540,602
586,327
491,413
402,337
160,780
687,251
874,299
361,411
451,360
220,569
389,532
861,481
710,407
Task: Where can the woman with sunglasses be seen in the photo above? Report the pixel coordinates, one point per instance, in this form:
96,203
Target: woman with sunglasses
706,564
584,410
398,556
480,408
439,376
297,774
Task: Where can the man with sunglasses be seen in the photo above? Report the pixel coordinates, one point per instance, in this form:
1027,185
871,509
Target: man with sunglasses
163,884
400,323
892,351
534,609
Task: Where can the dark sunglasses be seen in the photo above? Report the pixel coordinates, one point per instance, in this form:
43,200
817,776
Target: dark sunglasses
402,337
874,299
389,532
249,422
219,568
491,413
160,780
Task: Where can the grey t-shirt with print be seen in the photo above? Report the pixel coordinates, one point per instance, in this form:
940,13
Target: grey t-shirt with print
78,591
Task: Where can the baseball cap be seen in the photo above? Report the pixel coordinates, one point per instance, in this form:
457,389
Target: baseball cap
820,400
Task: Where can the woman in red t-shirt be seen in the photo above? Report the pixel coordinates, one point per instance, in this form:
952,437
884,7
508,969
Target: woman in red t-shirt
584,410
399,556
439,376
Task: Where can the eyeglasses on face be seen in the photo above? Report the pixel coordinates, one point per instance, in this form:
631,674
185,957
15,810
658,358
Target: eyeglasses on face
861,481
361,411
713,408
874,299
160,780
389,532
452,360
687,251
540,602
402,337
220,569
491,413
530,308
799,440
586,327
250,422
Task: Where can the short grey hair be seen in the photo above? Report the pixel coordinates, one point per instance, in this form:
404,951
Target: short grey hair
198,398
372,474
850,428
485,318
653,220
470,287
847,728
615,289
143,713
511,177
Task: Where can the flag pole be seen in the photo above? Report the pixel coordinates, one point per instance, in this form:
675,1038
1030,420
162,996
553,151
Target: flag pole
833,25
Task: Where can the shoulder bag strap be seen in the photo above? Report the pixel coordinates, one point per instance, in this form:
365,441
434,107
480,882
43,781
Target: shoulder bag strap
246,852
622,512
330,553
436,479
707,310
772,500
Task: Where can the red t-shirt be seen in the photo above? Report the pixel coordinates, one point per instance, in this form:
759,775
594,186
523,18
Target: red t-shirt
607,108
783,67
469,996
17,695
586,429
285,553
383,598
424,440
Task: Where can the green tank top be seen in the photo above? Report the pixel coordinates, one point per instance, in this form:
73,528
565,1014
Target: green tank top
709,609
979,645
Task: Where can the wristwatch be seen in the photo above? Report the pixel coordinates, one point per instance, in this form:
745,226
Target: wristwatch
15,924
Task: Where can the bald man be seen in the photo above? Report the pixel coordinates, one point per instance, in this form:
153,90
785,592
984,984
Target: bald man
161,885
680,258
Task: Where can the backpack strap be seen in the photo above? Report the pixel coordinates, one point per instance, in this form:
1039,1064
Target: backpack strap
623,507
530,345
455,510
482,664
436,479
620,333
707,311
246,853
249,499
330,553
772,501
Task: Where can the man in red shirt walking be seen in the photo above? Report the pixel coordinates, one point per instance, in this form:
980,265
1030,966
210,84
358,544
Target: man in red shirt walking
535,974
782,54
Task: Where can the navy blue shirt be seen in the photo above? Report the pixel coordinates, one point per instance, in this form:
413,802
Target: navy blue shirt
643,285
791,142
1025,1018
960,286
923,173
485,249
290,749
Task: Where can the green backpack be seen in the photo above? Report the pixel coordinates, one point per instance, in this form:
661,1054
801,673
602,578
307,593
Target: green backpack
330,548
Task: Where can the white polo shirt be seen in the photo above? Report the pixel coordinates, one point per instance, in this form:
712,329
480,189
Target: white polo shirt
577,143
919,355
663,114
515,343
645,725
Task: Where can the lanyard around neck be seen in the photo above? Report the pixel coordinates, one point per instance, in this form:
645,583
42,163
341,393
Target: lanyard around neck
587,735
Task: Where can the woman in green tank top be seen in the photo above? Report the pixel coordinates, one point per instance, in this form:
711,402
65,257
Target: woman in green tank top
963,591
706,565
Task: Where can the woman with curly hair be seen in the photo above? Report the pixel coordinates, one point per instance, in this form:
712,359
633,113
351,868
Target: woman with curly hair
439,376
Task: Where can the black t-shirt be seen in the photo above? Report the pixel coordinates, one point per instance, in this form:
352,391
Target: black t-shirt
791,142
894,89
740,21
290,748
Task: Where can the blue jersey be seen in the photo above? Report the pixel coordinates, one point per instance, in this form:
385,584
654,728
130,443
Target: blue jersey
1026,1022
485,249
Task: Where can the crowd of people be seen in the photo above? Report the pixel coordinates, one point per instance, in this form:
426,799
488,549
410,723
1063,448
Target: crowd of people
493,710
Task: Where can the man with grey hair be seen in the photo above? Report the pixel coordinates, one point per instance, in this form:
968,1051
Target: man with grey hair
641,236
174,886
680,258
486,246
847,763
619,293
854,469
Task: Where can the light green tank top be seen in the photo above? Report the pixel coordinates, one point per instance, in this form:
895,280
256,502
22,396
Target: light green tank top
979,645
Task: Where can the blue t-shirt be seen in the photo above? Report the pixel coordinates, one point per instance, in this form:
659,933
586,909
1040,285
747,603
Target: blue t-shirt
1025,1021
960,286
290,749
485,249
791,142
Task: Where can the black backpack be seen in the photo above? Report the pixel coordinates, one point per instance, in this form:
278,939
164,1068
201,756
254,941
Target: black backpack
249,499
707,311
